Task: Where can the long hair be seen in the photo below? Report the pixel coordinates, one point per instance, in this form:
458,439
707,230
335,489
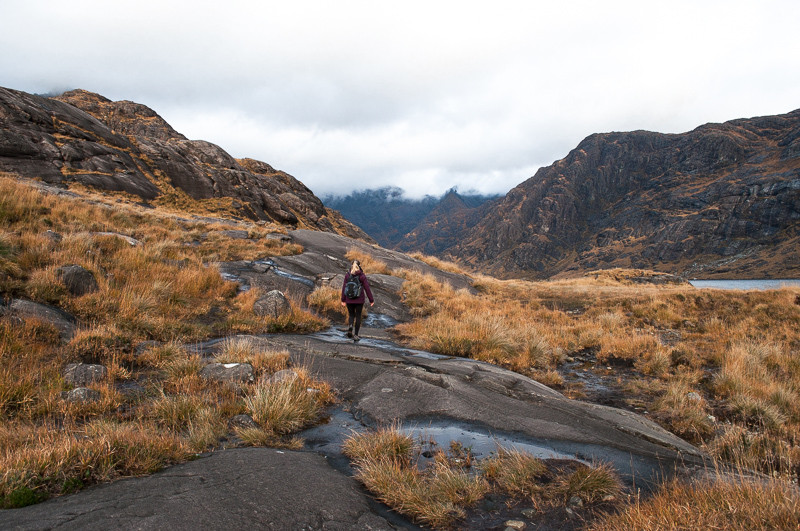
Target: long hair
355,268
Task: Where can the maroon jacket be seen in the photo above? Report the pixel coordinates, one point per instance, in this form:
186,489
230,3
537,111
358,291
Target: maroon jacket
364,289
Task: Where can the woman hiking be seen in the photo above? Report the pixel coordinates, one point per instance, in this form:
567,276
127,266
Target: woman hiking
353,289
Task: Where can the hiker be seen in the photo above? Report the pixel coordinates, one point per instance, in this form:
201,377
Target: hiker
353,289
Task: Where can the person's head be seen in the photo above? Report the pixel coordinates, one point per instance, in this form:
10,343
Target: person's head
355,268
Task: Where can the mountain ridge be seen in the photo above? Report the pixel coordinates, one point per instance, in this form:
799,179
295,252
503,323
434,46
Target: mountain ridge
392,219
83,137
722,200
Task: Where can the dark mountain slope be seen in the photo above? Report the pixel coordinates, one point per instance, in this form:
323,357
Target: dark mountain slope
392,219
441,229
384,213
721,200
82,137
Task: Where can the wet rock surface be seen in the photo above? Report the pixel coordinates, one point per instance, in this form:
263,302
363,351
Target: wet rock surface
250,488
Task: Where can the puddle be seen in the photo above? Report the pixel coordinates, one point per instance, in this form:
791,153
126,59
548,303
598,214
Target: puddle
480,444
583,373
230,277
379,320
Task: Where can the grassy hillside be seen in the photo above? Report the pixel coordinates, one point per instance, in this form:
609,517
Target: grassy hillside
153,407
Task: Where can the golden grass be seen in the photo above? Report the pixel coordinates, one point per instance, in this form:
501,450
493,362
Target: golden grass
286,406
43,459
369,264
327,301
165,288
443,265
732,504
441,493
516,473
694,359
383,443
436,496
264,360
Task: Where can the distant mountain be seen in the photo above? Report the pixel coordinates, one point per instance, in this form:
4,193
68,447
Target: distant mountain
122,146
722,200
442,227
389,217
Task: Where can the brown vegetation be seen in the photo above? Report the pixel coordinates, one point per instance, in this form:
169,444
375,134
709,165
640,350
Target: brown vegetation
443,492
154,407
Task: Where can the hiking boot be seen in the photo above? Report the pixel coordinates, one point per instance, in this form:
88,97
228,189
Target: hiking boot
356,339
349,332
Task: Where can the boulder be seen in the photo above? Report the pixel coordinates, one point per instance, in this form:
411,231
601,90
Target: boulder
78,280
228,372
64,322
53,236
274,304
80,374
82,394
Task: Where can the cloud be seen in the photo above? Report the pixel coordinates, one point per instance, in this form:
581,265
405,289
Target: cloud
422,95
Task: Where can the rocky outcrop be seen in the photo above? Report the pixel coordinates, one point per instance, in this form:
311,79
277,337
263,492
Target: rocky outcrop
80,374
721,200
123,146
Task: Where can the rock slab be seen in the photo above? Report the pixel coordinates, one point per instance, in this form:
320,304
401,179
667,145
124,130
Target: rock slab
234,489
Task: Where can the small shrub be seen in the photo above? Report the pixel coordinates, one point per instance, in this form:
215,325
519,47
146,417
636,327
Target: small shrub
591,483
515,472
385,443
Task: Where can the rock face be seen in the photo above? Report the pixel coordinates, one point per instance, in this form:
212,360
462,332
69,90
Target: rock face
126,147
721,200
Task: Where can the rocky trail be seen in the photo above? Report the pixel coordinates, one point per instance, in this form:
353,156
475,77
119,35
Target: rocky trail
377,382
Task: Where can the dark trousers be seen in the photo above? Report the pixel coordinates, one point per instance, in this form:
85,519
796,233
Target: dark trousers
354,316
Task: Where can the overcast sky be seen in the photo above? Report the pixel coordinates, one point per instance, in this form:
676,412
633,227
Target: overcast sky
424,95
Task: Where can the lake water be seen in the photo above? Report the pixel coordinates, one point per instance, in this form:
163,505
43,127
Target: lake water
746,284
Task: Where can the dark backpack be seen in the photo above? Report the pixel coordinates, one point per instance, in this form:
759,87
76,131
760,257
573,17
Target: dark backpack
352,288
